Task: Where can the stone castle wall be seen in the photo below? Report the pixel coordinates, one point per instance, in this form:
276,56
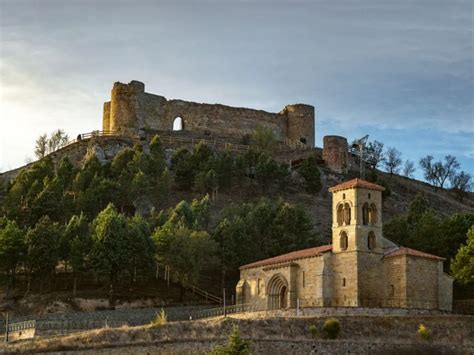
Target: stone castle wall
132,110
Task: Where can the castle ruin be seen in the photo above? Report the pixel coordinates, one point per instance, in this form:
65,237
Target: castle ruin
131,110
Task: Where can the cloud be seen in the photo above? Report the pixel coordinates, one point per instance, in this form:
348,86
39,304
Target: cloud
364,65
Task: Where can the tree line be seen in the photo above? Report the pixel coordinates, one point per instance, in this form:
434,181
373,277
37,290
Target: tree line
119,247
84,219
437,173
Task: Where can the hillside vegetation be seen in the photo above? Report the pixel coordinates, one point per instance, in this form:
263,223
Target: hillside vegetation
200,212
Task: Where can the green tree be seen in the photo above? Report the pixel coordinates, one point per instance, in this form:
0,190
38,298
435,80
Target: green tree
12,247
185,251
182,165
311,174
140,245
80,244
77,235
263,139
42,242
41,146
462,266
110,251
235,345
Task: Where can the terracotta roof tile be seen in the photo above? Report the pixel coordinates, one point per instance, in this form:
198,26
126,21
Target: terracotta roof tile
299,254
410,252
356,183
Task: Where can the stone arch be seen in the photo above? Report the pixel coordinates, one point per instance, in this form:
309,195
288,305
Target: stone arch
340,214
343,240
373,214
365,214
277,292
371,241
347,214
178,124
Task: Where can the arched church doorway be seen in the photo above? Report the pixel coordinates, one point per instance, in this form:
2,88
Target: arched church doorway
277,296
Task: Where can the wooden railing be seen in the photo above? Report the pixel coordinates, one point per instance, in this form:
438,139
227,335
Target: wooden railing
166,276
288,145
207,295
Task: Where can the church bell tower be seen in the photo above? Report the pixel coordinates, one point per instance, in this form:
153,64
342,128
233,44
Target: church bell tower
356,242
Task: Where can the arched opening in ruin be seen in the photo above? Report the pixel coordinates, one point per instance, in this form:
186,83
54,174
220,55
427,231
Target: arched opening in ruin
343,241
365,214
371,240
277,292
178,124
372,214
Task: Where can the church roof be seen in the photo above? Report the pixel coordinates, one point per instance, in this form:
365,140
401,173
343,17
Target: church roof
356,183
299,254
410,252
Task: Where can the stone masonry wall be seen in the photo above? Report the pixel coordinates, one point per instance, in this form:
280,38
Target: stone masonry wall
309,280
134,111
422,280
395,279
335,153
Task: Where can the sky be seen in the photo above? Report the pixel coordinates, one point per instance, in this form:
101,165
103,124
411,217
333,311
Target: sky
400,71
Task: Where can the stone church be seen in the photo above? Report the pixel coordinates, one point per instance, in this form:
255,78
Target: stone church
359,268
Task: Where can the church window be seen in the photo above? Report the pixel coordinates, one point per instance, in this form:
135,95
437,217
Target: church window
392,290
343,196
373,214
339,214
371,240
347,214
343,281
365,214
258,286
369,195
303,279
178,124
343,242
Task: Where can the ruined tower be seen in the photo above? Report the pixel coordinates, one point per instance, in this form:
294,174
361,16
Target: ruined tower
336,153
300,120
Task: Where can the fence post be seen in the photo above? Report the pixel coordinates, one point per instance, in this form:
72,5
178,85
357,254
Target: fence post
6,329
223,301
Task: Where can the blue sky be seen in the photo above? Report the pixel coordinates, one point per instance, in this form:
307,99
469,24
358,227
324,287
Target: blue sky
400,71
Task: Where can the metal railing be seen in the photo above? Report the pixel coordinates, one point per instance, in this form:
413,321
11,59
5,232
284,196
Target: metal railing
222,311
14,327
367,302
